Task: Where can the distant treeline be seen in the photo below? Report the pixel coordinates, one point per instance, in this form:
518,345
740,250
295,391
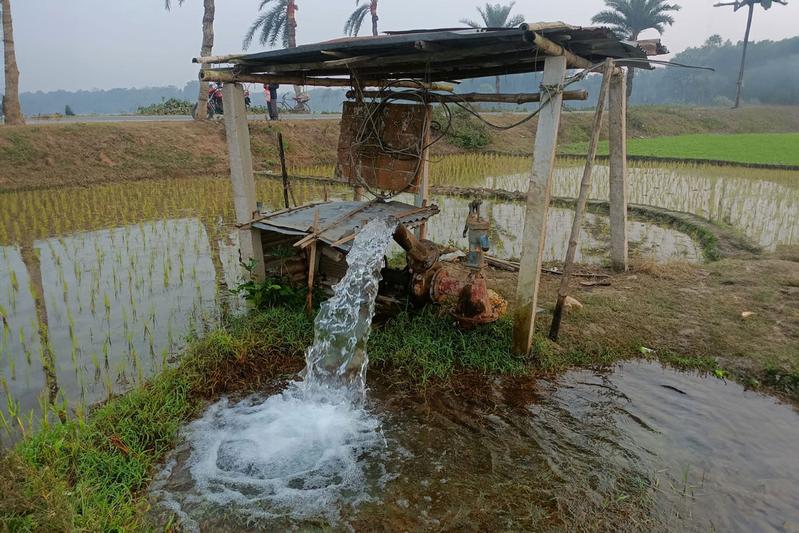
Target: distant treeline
772,77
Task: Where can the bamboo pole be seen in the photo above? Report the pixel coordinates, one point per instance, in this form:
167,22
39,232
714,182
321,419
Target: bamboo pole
582,200
312,265
227,76
522,98
283,169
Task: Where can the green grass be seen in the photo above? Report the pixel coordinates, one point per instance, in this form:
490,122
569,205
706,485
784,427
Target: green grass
751,148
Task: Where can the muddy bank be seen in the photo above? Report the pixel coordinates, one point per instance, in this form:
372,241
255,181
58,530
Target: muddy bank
82,154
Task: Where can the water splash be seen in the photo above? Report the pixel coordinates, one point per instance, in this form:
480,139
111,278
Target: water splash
338,355
302,453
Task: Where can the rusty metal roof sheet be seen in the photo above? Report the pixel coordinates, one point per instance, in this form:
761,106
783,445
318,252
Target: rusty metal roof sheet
438,54
341,218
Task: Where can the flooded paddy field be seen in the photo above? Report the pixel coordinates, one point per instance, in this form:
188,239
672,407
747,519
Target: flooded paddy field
119,275
637,447
762,204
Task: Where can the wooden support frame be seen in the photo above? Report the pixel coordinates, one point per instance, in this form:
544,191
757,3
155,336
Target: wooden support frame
242,178
423,192
617,131
582,201
536,212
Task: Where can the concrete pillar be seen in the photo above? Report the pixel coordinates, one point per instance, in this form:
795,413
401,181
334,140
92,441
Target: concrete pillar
241,175
617,128
535,221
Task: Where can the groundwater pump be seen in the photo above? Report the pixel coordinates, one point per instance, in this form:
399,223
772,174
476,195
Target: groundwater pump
462,285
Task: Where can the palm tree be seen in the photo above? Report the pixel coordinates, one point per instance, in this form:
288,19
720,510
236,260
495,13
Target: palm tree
205,50
496,16
630,17
738,4
353,25
11,109
278,24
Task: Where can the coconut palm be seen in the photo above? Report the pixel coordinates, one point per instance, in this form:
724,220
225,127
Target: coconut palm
630,17
353,25
205,50
496,16
738,4
277,24
11,109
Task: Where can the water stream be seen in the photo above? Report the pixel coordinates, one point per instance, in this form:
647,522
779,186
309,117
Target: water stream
299,454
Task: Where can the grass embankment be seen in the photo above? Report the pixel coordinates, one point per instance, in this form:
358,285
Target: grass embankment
750,148
54,155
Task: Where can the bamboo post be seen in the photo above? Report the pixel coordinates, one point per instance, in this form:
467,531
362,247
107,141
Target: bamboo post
617,128
312,265
283,169
538,193
241,175
582,200
423,193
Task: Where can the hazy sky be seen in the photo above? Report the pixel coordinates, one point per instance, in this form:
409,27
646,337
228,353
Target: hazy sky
84,44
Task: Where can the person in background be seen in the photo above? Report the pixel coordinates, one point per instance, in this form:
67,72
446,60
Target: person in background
272,100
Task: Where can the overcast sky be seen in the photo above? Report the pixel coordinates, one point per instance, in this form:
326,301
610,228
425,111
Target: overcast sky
84,44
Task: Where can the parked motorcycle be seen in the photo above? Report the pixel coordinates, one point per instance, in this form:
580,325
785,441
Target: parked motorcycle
214,103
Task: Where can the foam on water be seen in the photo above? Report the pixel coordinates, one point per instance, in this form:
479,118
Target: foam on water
302,453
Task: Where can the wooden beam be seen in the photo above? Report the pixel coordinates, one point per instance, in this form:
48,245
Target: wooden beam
521,98
536,211
617,131
241,175
228,76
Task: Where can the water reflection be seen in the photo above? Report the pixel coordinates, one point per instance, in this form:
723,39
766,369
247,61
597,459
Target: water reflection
117,303
507,220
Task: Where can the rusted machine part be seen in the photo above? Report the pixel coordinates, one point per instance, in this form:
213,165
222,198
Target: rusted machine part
467,291
463,287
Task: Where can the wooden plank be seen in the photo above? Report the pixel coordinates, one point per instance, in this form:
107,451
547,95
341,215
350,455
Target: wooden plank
241,176
617,128
536,211
582,201
312,265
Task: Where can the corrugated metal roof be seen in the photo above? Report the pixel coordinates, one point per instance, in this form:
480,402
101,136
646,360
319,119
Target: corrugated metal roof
437,55
299,221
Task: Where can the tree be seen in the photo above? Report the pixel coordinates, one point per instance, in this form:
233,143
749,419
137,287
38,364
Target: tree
738,4
496,16
11,108
353,25
279,23
714,41
209,12
630,17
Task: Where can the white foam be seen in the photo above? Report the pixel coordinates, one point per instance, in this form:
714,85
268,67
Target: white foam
290,455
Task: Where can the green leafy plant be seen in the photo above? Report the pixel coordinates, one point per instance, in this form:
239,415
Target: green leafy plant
465,130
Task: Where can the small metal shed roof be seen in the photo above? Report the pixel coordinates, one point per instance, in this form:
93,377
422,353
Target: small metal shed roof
439,54
341,219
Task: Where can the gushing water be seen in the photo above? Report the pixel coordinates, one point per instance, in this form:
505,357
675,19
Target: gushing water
300,454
